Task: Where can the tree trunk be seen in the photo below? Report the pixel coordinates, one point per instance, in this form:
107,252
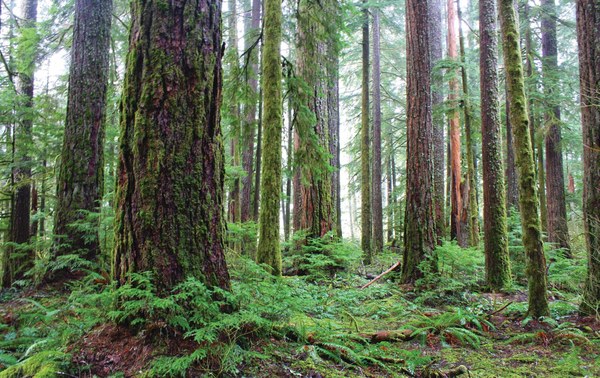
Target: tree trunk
365,160
497,260
169,212
377,201
81,174
528,196
558,230
234,206
419,225
390,207
269,250
258,170
288,180
512,186
588,35
436,46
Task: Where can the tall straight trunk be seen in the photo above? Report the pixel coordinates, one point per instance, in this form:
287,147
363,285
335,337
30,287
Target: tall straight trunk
42,229
558,230
390,207
234,206
471,212
80,180
398,226
588,35
528,196
365,160
436,46
497,260
288,180
456,176
419,224
377,201
169,212
269,250
351,209
258,170
512,186
20,217
250,121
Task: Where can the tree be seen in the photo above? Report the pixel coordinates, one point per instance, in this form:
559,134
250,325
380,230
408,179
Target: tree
365,159
419,224
512,187
528,197
81,176
588,35
17,262
269,251
377,202
169,199
558,231
497,261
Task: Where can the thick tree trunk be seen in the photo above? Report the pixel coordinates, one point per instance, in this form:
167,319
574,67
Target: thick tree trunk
258,170
269,250
377,201
365,160
558,230
419,225
169,215
512,186
588,36
80,180
288,180
497,260
528,196
436,46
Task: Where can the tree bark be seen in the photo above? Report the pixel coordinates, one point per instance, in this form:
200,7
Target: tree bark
377,201
528,196
419,225
512,186
365,160
169,212
234,205
558,230
588,36
497,260
269,250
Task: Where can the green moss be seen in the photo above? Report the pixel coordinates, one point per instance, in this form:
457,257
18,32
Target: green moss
42,365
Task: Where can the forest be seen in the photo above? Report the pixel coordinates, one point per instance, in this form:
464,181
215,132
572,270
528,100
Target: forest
310,188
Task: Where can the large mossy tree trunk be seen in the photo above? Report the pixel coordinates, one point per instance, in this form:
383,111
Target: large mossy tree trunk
269,250
497,260
365,153
512,182
19,260
419,224
81,175
528,196
169,199
376,197
556,204
588,36
333,111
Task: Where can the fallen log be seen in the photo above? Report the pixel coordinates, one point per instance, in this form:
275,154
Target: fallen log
381,275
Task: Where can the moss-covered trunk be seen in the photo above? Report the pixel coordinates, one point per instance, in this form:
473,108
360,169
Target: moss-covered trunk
528,196
365,153
512,186
419,225
588,36
80,180
269,250
169,199
497,261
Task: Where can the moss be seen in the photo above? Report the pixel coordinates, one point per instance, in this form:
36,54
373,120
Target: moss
42,365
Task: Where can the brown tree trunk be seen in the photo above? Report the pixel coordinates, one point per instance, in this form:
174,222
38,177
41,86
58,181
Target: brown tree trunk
234,205
419,225
169,212
512,188
365,160
377,201
258,170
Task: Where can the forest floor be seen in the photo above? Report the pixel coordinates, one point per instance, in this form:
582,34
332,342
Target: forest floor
320,324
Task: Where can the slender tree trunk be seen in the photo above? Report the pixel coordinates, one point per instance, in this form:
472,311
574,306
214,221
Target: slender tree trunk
436,45
258,170
588,35
80,183
558,230
528,196
234,206
377,201
352,209
497,260
390,207
365,160
269,250
512,188
169,212
419,225
288,180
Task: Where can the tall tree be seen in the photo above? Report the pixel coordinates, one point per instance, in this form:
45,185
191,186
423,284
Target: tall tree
365,159
497,261
419,224
169,212
333,110
269,250
588,35
19,262
528,196
512,186
234,205
80,180
558,230
436,46
377,201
